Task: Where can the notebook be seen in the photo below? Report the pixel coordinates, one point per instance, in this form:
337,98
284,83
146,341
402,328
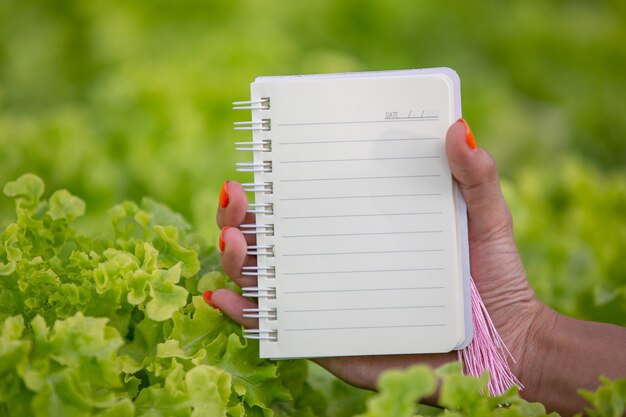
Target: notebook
361,231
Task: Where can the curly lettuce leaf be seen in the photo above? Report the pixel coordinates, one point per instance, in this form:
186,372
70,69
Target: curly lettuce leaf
399,392
64,205
609,400
28,188
202,391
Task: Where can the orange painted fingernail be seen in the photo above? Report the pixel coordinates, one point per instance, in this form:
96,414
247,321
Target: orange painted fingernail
207,297
469,136
222,243
224,199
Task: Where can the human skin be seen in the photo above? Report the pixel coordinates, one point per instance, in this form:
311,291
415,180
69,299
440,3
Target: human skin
554,355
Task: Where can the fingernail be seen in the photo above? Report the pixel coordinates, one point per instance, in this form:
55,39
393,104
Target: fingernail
207,297
222,243
224,200
469,136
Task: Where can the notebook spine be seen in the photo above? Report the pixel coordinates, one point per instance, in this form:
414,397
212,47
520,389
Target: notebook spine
262,191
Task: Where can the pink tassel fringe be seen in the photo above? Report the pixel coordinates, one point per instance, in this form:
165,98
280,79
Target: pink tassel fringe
487,351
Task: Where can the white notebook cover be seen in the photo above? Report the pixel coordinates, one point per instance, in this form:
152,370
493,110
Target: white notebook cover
370,232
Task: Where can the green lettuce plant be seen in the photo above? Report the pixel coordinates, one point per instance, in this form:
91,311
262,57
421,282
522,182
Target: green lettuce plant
114,325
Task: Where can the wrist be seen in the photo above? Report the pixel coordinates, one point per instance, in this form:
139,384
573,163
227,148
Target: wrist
536,346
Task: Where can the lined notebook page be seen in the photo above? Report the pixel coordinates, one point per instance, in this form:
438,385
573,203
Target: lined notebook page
365,241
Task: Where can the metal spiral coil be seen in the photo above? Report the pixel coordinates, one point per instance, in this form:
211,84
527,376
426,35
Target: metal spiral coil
259,271
265,250
259,292
265,166
257,229
261,208
263,146
260,313
263,124
261,334
258,187
262,104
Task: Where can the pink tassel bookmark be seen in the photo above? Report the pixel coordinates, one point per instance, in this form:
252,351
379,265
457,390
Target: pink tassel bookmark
487,351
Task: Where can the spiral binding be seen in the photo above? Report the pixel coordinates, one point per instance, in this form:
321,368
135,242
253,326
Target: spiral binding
264,250
263,104
262,146
259,292
257,229
265,166
263,124
259,271
263,208
263,188
261,334
260,313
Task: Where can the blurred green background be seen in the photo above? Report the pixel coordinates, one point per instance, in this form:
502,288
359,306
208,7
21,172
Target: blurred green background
118,100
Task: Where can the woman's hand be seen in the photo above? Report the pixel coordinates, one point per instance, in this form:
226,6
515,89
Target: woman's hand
495,264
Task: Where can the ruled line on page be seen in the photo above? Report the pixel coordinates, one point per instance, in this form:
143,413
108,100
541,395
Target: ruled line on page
362,178
412,119
390,158
366,233
364,290
360,196
364,253
305,329
315,310
364,271
310,142
362,215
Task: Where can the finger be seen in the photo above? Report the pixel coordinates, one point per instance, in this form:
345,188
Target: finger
234,256
233,206
476,173
232,304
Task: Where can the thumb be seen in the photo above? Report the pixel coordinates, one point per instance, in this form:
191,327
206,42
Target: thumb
475,171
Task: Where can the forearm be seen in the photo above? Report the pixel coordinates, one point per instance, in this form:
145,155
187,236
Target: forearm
569,355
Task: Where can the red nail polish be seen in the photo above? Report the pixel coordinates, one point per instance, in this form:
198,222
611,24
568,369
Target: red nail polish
469,136
222,243
207,297
224,199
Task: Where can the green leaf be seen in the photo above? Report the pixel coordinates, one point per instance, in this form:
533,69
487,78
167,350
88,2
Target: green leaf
14,352
162,215
462,392
214,280
609,400
146,335
170,399
202,328
209,390
138,286
399,391
123,408
88,345
202,391
69,370
256,380
166,296
65,394
64,205
172,252
28,186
